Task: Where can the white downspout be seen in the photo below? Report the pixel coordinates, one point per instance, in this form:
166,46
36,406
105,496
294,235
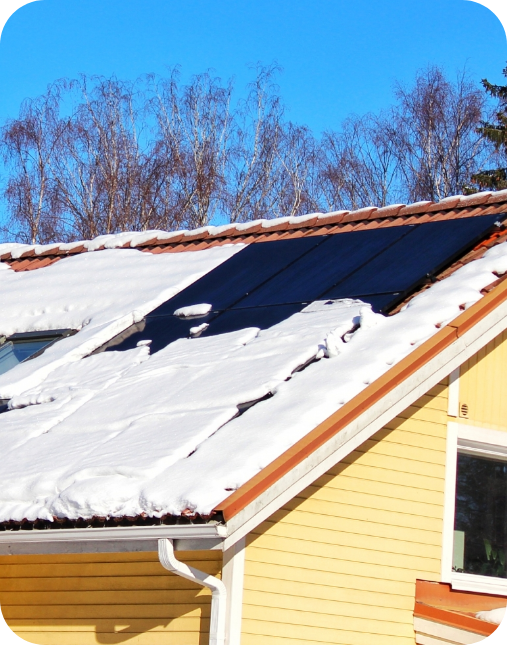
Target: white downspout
218,591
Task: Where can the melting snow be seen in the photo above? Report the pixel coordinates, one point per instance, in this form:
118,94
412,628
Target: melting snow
494,616
193,310
123,433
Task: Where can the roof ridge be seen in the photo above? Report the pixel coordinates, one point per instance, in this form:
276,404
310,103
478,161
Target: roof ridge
158,241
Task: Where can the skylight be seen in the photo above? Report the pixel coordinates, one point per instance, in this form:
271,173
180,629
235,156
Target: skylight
23,346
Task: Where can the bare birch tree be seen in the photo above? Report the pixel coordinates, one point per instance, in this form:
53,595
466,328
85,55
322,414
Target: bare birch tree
29,145
193,128
106,176
436,133
297,185
358,165
253,171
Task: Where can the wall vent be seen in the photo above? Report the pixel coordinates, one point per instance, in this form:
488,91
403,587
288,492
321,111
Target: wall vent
463,410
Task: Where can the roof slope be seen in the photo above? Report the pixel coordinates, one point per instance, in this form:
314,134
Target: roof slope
129,434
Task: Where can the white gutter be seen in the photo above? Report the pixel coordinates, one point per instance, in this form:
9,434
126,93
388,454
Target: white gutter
111,539
218,591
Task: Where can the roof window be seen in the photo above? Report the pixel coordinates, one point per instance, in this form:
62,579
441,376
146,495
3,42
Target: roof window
24,346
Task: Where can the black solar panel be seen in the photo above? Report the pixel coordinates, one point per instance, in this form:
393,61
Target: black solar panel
262,317
267,282
241,274
414,257
161,330
382,302
313,274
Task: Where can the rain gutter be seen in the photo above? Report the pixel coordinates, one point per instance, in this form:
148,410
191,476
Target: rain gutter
185,537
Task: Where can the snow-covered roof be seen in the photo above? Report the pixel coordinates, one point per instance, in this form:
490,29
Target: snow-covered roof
117,434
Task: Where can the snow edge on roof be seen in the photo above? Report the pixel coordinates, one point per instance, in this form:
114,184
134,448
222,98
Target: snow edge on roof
186,239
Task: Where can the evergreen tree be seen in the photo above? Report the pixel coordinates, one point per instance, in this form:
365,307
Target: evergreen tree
496,133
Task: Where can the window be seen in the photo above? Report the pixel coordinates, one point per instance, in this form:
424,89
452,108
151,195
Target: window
475,522
21,347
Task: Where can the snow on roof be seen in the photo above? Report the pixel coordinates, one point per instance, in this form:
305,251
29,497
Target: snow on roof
127,433
99,294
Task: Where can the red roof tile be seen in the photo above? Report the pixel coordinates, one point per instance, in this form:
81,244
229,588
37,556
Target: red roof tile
267,230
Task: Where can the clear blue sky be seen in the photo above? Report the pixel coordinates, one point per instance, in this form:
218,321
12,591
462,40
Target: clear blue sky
338,56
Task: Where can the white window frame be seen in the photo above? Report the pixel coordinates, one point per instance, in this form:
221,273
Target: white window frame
470,440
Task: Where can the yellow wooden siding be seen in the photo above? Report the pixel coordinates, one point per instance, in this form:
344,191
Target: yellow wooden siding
106,598
482,386
338,564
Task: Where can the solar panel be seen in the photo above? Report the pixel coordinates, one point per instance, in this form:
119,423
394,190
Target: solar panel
262,317
161,330
317,271
267,282
380,303
411,259
242,273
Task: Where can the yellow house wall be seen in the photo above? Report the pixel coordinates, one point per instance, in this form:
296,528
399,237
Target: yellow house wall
338,564
106,598
482,386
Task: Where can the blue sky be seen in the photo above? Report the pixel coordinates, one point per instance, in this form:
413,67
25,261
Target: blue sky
338,56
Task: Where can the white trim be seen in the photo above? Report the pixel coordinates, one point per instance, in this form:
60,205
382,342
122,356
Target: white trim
470,433
449,500
233,574
218,591
119,539
370,421
470,440
453,394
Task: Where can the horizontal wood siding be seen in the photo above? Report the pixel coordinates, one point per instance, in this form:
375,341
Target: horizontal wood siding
338,564
482,386
108,598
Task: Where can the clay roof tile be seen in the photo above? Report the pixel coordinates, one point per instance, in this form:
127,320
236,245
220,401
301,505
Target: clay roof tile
474,200
499,196
446,203
361,214
387,211
417,207
334,217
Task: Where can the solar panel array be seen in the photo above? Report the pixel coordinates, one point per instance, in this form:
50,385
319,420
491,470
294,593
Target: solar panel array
267,282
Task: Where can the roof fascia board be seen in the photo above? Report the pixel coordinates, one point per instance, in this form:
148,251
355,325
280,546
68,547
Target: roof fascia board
116,539
373,419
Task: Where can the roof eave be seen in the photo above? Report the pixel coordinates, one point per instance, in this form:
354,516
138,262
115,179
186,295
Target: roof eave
189,537
364,415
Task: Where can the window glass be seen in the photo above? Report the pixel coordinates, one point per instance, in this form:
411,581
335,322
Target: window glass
12,353
480,527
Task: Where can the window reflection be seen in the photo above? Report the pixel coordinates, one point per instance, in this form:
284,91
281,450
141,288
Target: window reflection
480,526
12,353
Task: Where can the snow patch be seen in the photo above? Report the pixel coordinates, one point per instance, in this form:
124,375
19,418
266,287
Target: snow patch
494,616
193,311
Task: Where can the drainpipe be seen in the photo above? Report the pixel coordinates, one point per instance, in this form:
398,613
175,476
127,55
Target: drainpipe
218,591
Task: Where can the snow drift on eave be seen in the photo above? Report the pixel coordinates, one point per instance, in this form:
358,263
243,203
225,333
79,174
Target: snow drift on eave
126,433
